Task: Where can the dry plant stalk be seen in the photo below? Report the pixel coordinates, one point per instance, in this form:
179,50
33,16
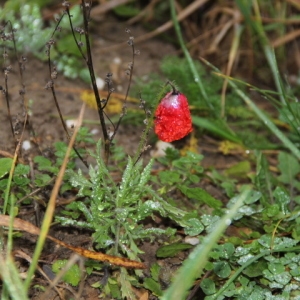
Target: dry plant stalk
22,225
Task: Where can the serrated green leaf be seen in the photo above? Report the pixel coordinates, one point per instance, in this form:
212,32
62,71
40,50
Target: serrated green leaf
42,180
154,270
113,290
193,178
71,276
200,195
44,164
153,286
145,175
172,249
189,161
21,181
272,211
169,177
126,289
21,170
79,181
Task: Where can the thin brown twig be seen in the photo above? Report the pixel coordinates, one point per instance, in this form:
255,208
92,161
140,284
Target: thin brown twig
5,91
89,61
131,43
50,85
23,255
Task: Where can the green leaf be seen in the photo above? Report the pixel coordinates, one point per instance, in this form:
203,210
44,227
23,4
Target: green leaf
72,275
44,164
154,270
145,175
283,199
5,166
125,285
21,170
190,161
272,211
193,226
42,180
288,166
253,197
224,251
67,45
172,249
169,177
208,286
217,128
112,288
153,286
241,169
126,10
200,195
222,269
283,242
255,269
276,268
21,181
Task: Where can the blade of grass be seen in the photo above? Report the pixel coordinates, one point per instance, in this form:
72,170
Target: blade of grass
11,279
195,263
257,26
262,116
51,205
238,29
273,128
192,66
13,166
216,129
188,56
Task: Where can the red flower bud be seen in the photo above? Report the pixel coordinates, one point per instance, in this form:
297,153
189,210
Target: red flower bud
172,117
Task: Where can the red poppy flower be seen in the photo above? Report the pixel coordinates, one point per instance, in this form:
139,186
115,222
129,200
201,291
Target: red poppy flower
172,117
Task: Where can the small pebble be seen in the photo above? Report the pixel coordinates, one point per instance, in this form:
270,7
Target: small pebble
117,60
26,145
94,131
192,240
119,88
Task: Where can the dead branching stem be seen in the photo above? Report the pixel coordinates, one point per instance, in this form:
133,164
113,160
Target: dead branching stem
89,61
